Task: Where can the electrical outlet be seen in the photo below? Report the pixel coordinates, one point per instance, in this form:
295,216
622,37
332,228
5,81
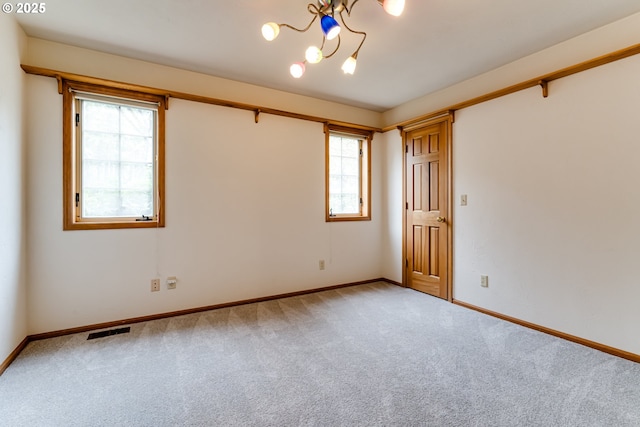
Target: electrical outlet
321,264
172,282
484,281
155,285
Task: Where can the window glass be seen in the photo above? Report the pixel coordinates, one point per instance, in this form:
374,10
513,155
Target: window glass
344,174
347,181
117,150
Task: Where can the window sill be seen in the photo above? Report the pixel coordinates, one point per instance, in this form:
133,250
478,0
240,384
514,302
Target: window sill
112,225
339,218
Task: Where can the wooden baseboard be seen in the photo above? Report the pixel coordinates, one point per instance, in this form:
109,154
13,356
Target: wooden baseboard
392,282
592,344
106,325
14,354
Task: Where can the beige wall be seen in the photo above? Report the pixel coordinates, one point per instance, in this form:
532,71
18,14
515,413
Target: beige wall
392,262
13,308
553,215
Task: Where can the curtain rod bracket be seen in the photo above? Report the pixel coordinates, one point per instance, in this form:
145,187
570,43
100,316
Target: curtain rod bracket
256,115
545,87
59,79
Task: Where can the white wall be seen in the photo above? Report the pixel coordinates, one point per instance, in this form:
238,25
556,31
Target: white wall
553,215
392,204
13,309
245,219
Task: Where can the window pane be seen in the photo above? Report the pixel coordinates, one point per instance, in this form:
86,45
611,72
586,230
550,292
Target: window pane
136,121
350,185
100,145
335,165
136,149
335,184
350,166
99,174
117,157
100,117
109,203
350,147
344,175
350,203
335,146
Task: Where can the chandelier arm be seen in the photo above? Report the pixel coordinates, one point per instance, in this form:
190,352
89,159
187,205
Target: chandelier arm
335,50
301,30
350,8
364,35
314,10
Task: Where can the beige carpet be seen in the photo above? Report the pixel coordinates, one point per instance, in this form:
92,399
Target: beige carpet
367,355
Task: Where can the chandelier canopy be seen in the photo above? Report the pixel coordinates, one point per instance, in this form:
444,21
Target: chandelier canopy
327,10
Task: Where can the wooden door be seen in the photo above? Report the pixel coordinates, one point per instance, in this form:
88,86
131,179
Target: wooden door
427,223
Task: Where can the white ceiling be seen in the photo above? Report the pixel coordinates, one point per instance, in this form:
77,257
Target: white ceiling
434,44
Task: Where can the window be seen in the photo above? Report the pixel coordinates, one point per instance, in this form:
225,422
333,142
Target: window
348,174
113,158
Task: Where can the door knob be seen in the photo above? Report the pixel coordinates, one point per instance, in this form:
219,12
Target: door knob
441,219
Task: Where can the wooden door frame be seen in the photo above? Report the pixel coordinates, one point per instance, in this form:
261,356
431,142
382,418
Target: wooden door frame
448,119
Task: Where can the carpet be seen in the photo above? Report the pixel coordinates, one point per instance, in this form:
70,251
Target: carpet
367,355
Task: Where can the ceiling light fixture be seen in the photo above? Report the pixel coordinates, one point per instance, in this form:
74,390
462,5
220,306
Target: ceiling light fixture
326,10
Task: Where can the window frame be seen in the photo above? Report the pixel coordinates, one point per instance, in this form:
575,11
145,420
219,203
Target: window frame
365,172
71,213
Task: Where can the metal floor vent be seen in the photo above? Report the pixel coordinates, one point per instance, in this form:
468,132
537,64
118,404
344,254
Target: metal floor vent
102,334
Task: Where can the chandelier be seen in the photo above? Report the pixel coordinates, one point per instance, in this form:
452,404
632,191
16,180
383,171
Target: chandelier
326,11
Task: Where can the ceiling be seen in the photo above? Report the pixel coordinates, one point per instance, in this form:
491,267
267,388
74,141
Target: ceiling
433,45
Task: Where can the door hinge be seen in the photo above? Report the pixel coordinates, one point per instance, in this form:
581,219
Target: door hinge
361,152
77,119
407,206
406,263
361,201
77,199
406,148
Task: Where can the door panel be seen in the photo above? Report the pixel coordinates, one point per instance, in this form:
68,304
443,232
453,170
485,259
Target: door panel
427,234
434,186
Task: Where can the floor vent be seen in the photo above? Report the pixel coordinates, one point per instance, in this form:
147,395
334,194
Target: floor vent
108,333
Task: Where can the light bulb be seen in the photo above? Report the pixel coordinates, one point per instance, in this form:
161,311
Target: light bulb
270,30
330,27
313,55
349,66
393,7
297,70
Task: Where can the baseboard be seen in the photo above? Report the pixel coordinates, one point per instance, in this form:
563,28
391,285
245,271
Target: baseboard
592,344
87,328
14,354
392,282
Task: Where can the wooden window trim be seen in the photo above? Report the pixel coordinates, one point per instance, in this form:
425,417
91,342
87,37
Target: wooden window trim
365,175
68,156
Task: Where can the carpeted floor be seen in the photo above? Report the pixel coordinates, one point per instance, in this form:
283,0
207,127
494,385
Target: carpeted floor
369,355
